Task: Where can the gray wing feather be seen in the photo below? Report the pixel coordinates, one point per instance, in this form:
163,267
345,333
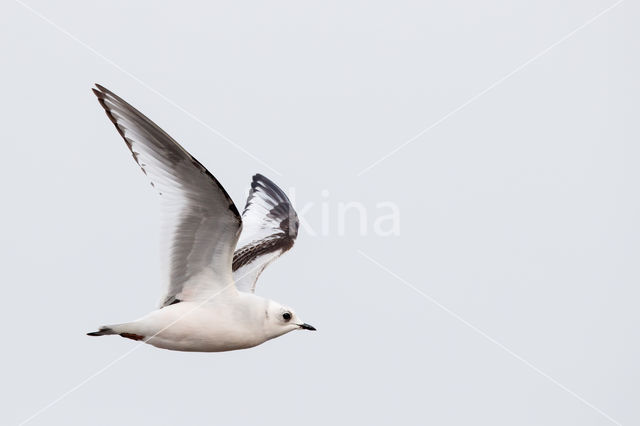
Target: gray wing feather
207,223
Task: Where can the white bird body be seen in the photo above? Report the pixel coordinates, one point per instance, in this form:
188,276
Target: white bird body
210,305
226,322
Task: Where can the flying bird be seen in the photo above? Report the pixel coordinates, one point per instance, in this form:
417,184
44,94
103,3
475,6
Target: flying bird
215,254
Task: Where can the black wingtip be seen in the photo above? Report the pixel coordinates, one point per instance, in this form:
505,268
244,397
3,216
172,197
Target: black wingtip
260,177
102,92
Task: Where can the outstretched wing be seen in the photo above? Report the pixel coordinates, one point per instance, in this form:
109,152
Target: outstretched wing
206,222
270,229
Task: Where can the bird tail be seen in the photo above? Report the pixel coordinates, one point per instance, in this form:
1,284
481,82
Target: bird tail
103,331
120,329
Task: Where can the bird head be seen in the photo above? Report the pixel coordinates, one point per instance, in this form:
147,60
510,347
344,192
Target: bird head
282,319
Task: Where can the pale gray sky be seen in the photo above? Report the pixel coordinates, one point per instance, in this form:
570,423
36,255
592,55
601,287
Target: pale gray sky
518,213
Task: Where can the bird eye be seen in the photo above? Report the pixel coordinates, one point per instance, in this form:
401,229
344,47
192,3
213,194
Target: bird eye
286,316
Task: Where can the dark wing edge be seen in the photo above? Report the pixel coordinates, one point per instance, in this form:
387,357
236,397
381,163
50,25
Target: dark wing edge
102,92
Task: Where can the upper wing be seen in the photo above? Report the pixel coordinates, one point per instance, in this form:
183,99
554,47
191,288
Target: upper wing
207,223
270,229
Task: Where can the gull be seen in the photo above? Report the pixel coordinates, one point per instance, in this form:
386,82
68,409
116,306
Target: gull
215,254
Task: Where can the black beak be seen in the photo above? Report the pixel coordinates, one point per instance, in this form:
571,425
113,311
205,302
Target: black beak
306,326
